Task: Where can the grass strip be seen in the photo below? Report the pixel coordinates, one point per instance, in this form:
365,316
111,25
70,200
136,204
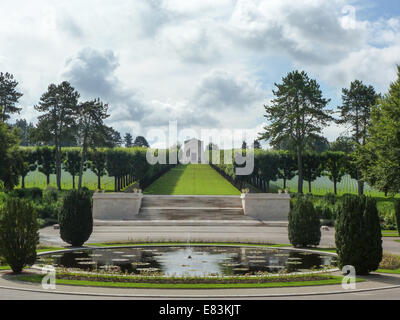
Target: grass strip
323,280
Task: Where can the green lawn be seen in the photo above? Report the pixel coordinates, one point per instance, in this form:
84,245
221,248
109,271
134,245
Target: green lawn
192,179
323,280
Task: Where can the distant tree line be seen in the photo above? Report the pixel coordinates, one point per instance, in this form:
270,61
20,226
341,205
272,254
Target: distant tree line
126,165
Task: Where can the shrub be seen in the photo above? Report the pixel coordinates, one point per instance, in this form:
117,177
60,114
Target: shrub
358,234
304,224
76,220
397,213
324,212
330,198
36,193
50,194
48,210
18,233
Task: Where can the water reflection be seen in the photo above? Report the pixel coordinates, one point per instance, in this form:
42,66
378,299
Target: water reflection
190,261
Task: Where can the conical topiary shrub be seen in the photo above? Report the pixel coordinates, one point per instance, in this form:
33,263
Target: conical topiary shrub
358,235
304,225
76,218
18,233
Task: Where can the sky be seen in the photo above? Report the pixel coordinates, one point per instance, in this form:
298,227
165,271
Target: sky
207,64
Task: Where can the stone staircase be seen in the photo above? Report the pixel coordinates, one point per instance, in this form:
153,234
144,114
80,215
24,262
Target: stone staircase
191,208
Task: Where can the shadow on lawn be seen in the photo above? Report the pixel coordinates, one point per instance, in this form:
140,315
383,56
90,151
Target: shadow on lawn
166,184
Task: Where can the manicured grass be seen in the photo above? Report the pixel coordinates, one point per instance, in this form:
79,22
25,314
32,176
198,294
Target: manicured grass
46,249
192,179
389,233
329,280
396,271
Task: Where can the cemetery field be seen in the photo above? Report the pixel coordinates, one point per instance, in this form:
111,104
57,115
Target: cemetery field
192,179
323,185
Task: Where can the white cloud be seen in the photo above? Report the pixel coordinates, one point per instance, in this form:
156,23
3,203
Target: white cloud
196,61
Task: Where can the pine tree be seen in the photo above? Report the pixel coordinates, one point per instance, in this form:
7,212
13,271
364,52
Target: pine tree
59,107
297,113
356,113
9,96
128,140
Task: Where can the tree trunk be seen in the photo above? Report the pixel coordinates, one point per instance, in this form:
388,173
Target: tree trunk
73,182
284,183
360,185
267,187
98,182
48,179
84,150
115,183
58,166
335,186
300,168
309,186
23,182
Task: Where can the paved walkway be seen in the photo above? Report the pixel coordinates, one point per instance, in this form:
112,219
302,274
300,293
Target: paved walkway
385,286
259,233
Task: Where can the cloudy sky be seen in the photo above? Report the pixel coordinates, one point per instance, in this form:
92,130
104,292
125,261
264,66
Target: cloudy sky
205,63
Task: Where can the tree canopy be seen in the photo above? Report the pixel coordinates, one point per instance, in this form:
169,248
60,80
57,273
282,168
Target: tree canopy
296,114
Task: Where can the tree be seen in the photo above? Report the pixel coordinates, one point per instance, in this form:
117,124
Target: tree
24,131
59,105
46,161
256,145
72,164
266,165
76,219
287,167
19,233
335,165
343,144
141,142
9,96
355,112
312,167
128,139
97,164
297,113
379,160
27,163
91,116
9,153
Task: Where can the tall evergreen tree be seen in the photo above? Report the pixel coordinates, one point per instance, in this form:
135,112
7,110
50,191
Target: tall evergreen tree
59,107
128,140
355,112
9,156
297,113
9,96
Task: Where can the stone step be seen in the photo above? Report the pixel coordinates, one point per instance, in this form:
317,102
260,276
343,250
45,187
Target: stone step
183,210
192,201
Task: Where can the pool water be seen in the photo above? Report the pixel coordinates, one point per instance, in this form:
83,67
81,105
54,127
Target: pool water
190,260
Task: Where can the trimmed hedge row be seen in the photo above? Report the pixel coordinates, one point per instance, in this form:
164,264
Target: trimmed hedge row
126,165
273,165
